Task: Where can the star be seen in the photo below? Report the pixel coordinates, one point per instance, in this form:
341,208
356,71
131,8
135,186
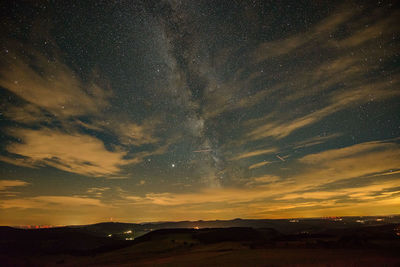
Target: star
173,165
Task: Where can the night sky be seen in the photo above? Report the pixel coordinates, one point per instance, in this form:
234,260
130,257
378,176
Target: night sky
183,110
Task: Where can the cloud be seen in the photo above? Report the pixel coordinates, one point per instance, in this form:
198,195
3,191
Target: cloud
135,134
317,170
128,132
372,191
259,164
5,184
319,32
353,162
255,153
50,202
97,191
26,114
344,70
53,94
266,179
279,129
308,192
210,195
49,85
315,141
367,31
77,153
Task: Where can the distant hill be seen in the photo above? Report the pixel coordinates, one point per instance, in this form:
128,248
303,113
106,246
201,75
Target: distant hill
286,226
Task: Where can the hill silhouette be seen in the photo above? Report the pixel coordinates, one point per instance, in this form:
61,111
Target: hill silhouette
306,242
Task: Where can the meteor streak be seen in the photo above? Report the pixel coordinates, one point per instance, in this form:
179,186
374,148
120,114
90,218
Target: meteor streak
279,157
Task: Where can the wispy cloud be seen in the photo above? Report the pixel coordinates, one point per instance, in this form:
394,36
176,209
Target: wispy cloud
97,191
50,85
259,164
5,184
316,140
351,162
135,134
318,32
374,189
50,202
346,71
262,180
306,193
55,96
317,170
255,153
338,101
73,152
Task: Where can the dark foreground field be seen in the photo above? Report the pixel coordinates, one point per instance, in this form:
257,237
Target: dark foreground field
366,245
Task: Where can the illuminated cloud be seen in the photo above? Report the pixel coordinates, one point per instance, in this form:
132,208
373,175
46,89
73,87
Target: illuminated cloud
353,162
370,31
132,133
50,202
55,88
314,141
56,94
341,69
280,129
97,191
5,184
319,32
367,192
259,164
266,179
320,169
77,153
255,153
26,114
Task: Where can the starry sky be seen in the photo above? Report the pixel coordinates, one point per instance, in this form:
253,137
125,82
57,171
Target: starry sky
169,110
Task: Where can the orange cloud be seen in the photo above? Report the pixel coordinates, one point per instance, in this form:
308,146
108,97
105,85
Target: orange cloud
77,153
353,162
258,165
255,153
319,32
281,128
314,141
50,202
132,133
5,184
55,88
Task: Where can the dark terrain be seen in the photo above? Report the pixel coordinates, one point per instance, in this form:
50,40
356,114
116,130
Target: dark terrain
348,241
